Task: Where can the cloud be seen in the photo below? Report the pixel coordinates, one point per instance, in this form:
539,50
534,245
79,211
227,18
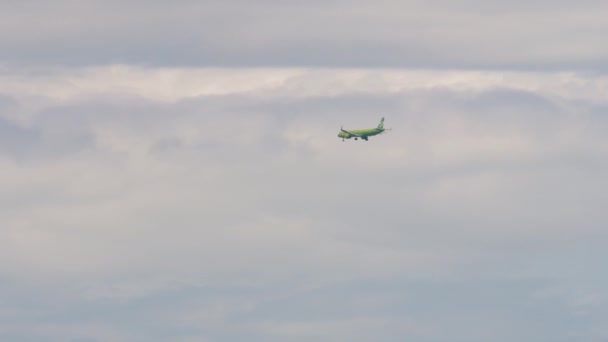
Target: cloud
171,171
538,35
226,206
35,88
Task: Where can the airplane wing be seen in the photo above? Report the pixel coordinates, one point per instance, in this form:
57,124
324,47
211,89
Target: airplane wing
347,132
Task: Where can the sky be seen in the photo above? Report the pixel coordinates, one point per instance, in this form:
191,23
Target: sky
171,171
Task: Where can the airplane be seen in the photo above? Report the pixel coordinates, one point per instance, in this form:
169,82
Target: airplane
362,133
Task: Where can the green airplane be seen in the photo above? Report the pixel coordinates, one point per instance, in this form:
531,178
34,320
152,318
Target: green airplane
362,133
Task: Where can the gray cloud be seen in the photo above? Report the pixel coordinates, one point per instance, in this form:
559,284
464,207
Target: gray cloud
48,138
223,217
537,35
145,201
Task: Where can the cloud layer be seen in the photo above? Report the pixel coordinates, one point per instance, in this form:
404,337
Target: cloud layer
171,171
520,35
218,204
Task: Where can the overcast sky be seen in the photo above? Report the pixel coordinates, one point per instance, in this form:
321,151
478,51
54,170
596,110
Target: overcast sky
171,171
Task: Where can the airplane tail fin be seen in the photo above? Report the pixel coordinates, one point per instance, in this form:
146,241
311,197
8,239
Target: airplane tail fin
381,124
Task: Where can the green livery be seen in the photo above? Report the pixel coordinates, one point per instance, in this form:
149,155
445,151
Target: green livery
361,133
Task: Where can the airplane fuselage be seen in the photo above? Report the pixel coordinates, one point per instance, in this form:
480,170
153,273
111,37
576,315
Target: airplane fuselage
360,133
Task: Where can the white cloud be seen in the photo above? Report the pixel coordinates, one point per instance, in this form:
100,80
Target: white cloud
191,181
175,84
